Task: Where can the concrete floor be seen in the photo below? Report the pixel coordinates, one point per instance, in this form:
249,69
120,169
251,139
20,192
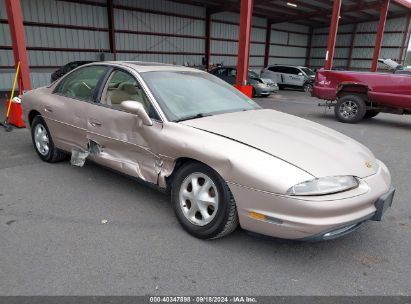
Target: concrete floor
52,241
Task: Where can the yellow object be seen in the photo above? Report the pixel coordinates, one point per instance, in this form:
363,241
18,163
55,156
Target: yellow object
12,91
257,216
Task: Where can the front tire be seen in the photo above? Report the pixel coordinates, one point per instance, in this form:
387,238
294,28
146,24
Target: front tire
350,109
43,143
203,203
308,87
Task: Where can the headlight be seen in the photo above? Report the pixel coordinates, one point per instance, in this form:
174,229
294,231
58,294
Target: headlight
324,185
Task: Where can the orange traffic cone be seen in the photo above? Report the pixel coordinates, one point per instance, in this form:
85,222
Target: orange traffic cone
13,105
16,111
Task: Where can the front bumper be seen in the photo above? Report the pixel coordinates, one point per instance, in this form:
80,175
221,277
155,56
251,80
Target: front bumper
314,218
381,205
266,90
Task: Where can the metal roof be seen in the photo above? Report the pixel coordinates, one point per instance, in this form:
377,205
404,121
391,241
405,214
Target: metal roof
315,13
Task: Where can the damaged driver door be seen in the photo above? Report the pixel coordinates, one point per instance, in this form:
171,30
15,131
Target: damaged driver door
117,138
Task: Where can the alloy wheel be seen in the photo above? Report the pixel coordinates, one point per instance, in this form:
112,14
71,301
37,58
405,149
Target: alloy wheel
198,197
348,109
41,139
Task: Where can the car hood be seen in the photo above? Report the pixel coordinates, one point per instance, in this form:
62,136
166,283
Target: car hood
267,80
312,147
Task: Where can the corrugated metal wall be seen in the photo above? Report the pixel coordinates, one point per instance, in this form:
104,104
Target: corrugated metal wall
60,31
224,41
288,44
50,46
363,40
183,39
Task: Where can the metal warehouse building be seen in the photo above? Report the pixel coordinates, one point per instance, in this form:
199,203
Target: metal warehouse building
200,32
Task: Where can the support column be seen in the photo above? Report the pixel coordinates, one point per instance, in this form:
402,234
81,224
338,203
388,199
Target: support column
267,43
380,34
111,28
309,47
246,13
404,46
354,33
207,38
332,35
15,18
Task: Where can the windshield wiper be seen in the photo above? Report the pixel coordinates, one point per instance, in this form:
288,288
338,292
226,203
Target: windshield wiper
199,115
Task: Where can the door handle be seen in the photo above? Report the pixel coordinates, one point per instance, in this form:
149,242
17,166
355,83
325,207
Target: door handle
48,110
94,123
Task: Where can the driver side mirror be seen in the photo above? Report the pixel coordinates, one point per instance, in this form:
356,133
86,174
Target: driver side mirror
138,109
300,74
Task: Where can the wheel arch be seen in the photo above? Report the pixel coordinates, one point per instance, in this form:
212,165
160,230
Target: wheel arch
353,88
32,114
180,162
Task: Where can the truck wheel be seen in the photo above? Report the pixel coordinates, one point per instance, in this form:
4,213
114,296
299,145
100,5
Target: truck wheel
370,114
350,109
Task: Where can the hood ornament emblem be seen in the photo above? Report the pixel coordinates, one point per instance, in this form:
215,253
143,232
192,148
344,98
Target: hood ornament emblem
368,164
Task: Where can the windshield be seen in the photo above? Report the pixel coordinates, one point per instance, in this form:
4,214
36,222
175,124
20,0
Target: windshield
182,95
253,74
308,72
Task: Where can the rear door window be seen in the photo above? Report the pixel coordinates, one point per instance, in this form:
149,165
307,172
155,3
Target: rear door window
82,83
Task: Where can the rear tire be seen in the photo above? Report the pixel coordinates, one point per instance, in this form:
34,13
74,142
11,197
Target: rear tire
350,109
203,203
43,143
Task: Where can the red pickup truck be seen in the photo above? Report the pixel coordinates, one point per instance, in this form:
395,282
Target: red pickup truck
361,95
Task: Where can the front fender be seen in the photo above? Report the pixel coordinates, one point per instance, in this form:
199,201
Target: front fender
236,162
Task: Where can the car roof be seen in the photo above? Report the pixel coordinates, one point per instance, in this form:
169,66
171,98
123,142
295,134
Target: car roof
141,66
288,66
227,67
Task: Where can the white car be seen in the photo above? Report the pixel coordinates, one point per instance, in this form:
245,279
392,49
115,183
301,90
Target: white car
298,77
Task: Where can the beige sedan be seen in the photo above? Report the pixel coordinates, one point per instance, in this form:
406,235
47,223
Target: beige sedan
225,160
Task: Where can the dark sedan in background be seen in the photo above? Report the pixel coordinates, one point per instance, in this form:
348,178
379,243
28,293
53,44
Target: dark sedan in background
67,68
261,86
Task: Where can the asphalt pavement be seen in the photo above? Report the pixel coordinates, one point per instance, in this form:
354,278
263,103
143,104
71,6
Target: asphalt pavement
66,230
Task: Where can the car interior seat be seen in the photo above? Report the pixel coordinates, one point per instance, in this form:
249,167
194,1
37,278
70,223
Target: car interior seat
81,90
126,91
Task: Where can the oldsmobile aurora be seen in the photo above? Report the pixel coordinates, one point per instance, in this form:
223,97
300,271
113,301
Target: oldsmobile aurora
225,160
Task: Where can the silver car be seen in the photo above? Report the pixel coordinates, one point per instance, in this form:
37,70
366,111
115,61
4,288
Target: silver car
261,86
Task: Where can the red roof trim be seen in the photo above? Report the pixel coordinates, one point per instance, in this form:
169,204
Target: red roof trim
405,3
